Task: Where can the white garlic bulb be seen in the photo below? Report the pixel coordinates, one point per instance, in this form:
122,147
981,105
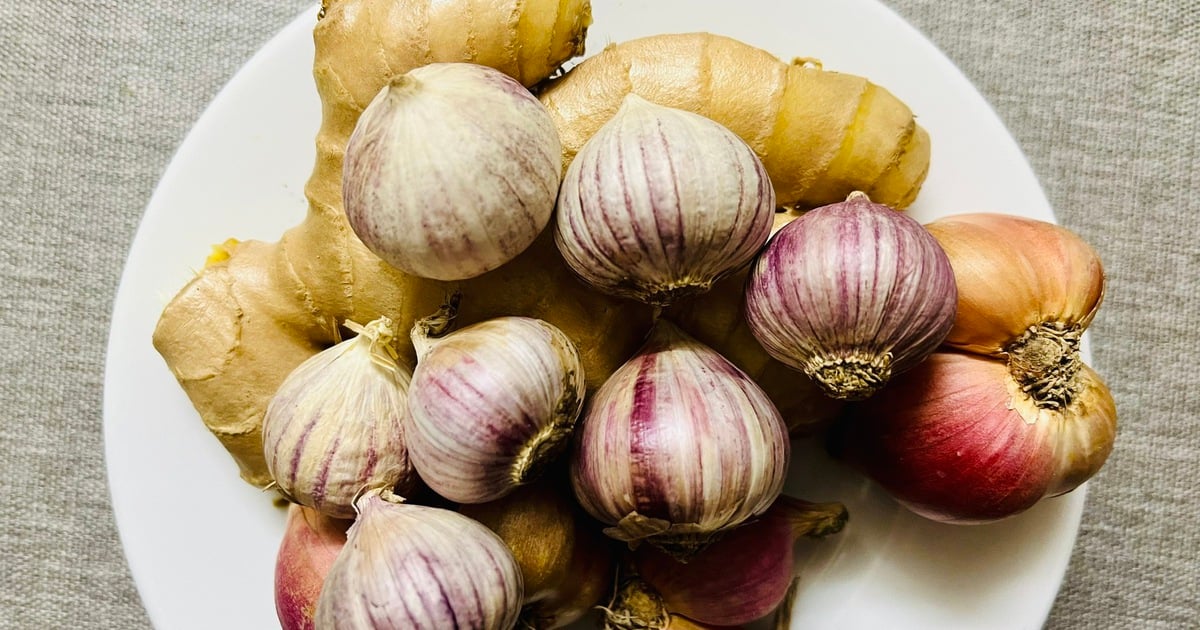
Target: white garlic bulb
452,170
677,446
336,424
491,405
414,567
660,203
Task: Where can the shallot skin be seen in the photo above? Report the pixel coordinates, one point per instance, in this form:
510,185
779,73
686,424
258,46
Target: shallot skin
748,572
1013,273
311,542
956,440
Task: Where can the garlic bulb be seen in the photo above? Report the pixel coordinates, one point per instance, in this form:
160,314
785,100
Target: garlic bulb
851,294
491,404
415,567
660,203
452,170
335,425
677,446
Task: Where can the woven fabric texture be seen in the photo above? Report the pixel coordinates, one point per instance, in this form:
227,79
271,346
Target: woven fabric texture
1102,97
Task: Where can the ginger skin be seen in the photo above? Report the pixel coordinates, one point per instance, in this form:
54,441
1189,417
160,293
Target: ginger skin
820,134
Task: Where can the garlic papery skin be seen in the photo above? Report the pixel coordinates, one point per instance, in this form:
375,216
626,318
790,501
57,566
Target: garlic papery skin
336,424
491,405
746,574
660,203
452,170
678,446
410,566
851,294
957,440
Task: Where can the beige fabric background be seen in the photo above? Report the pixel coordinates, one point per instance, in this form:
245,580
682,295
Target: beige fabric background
97,94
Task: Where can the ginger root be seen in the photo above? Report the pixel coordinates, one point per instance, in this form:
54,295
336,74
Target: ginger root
821,135
259,309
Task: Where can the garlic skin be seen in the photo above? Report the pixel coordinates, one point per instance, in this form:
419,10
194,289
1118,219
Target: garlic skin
851,294
452,170
410,566
491,405
660,203
957,440
677,446
336,424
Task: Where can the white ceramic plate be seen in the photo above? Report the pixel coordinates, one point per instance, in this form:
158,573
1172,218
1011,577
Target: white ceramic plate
201,543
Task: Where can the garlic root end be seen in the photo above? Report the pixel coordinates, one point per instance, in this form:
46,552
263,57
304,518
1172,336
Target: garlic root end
854,377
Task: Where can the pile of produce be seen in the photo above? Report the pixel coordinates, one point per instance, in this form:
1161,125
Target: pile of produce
539,348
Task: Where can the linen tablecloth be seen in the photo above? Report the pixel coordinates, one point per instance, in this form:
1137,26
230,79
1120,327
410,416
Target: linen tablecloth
96,95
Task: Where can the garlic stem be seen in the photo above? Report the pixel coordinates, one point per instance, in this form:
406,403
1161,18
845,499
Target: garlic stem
545,447
401,85
379,335
426,330
812,520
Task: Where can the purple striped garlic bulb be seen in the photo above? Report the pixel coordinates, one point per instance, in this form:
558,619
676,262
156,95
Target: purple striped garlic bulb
851,294
491,405
415,567
452,170
335,425
660,203
677,446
